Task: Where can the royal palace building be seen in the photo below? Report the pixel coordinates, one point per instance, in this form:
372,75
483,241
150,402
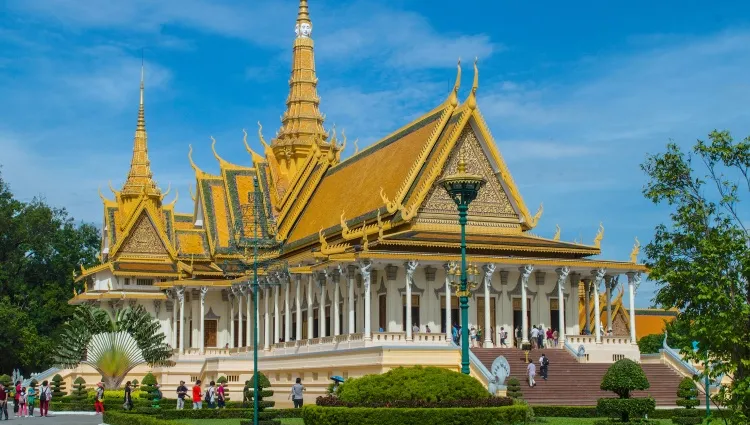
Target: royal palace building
356,256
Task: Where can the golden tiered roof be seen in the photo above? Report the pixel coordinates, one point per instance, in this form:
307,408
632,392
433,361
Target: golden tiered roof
382,202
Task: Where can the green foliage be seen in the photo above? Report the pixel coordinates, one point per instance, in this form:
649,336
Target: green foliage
626,408
514,388
120,418
39,248
623,377
34,383
688,398
700,259
80,393
57,385
651,344
317,415
249,393
414,383
116,340
148,387
6,380
135,384
223,380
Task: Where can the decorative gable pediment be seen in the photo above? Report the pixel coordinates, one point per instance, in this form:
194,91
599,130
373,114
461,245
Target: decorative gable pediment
143,239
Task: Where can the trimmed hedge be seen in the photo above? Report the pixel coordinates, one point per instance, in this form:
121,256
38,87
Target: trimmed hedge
430,384
317,415
631,408
514,388
120,418
333,401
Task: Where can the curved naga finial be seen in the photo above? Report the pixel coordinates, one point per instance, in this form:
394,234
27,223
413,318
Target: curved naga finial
260,136
249,150
356,146
169,189
537,216
599,236
190,158
472,100
557,233
392,207
176,197
192,194
453,97
101,195
216,154
112,189
635,251
344,226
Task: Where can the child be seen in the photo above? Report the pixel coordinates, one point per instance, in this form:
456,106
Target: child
30,400
23,412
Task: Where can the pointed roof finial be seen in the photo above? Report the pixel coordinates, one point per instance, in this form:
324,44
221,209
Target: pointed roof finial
303,15
472,100
453,97
140,178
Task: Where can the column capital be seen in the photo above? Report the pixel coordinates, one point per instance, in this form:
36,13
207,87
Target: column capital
410,267
204,291
489,269
634,278
598,274
611,281
562,276
351,270
179,292
575,278
525,273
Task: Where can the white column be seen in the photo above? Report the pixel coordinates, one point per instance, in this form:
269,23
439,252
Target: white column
562,276
322,308
201,338
287,312
525,273
448,320
239,317
247,290
410,267
587,303
336,312
310,318
351,269
181,339
365,268
598,275
175,306
233,294
298,305
266,321
276,316
610,283
634,279
489,269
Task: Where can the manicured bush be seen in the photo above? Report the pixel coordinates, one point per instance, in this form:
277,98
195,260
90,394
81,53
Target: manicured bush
57,386
6,380
80,393
430,384
223,380
263,393
650,344
514,388
318,415
135,384
148,387
121,418
688,394
622,378
333,401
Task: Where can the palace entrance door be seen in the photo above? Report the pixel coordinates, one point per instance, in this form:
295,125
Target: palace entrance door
455,313
210,333
518,314
554,314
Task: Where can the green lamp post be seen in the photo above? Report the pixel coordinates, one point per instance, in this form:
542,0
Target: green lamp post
463,188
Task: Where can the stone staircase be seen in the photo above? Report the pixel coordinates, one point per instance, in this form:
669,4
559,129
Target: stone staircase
571,383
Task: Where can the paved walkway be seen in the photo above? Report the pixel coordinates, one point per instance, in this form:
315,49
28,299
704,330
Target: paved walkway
56,420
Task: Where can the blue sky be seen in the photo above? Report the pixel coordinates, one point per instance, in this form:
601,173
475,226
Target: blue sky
575,93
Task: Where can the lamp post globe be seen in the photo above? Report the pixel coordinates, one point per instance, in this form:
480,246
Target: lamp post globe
463,188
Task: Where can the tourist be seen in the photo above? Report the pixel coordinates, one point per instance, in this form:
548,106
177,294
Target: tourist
518,337
540,337
531,371
556,337
220,393
550,338
128,401
415,329
492,335
45,395
427,329
211,395
197,396
543,366
473,336
503,337
99,399
454,331
4,401
534,337
181,394
16,396
23,411
31,399
296,394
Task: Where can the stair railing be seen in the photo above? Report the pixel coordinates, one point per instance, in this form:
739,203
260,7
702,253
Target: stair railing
574,352
675,355
480,367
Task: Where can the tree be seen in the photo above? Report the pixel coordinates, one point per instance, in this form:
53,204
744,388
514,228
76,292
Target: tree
622,378
263,393
688,398
650,344
80,393
700,261
40,246
148,386
113,345
514,388
58,386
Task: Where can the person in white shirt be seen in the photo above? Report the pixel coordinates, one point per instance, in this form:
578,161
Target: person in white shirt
415,329
534,336
531,371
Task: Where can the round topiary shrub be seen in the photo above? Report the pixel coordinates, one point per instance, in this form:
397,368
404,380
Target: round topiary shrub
688,398
264,392
135,384
7,381
428,384
80,393
148,386
58,386
622,378
514,388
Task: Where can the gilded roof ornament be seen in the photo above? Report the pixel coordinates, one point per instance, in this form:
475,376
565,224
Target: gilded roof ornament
557,233
344,227
197,170
599,236
537,216
392,207
192,194
112,189
453,97
356,147
262,139
255,157
635,251
101,195
176,197
472,100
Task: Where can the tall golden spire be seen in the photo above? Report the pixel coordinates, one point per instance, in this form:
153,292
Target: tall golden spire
302,123
140,177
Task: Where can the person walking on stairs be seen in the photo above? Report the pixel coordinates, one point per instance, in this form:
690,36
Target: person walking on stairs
543,366
531,371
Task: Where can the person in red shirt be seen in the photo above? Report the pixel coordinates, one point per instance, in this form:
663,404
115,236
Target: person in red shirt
3,402
16,397
197,396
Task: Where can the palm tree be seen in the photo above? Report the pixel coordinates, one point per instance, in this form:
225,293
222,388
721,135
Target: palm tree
113,345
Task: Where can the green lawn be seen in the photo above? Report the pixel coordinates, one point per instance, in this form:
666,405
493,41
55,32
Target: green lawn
287,421
584,421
